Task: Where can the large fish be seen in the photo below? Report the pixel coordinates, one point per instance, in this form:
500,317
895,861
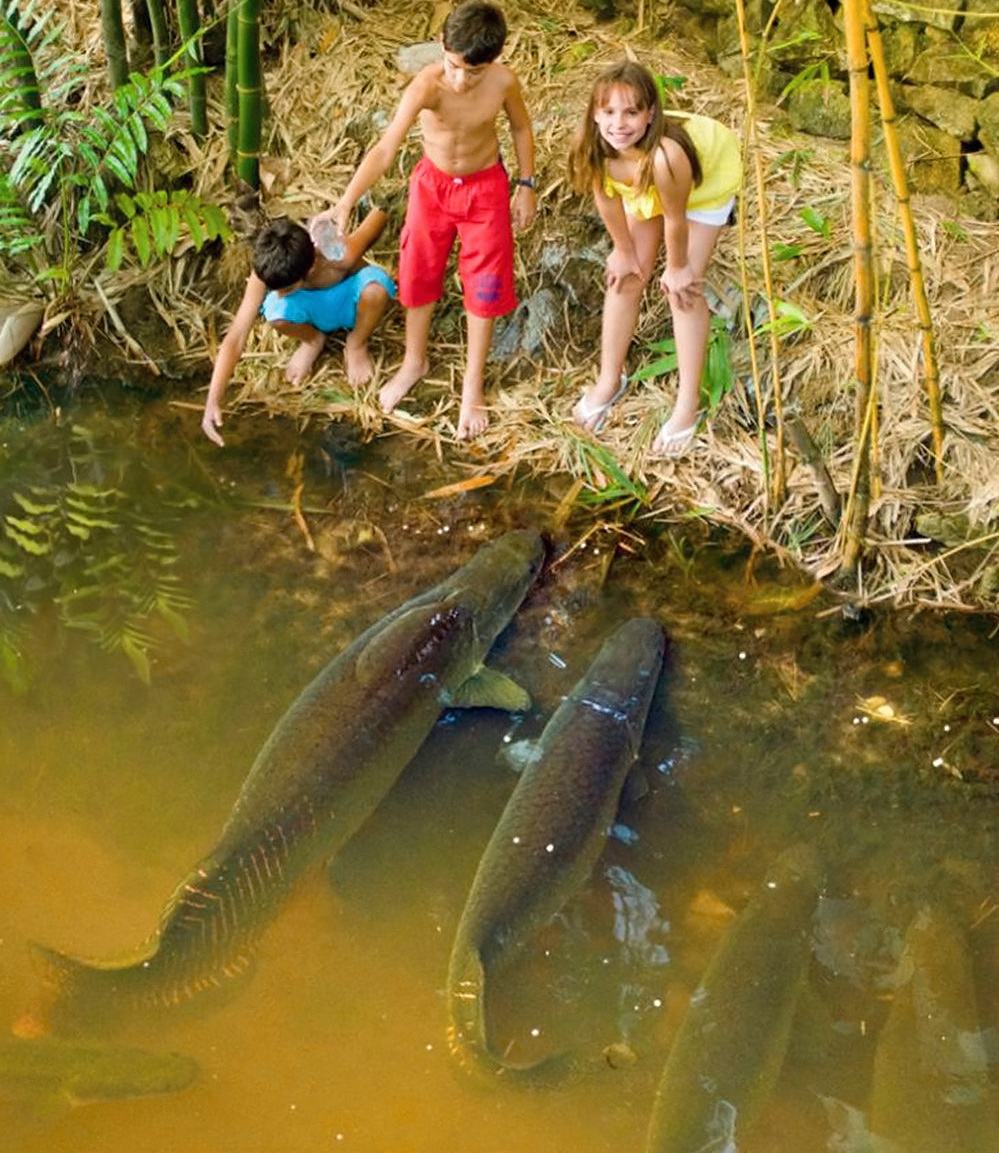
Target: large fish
553,828
730,1046
930,1088
46,1073
332,757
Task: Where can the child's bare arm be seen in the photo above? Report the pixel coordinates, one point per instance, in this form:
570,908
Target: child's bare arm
362,238
379,158
623,261
230,350
525,200
674,181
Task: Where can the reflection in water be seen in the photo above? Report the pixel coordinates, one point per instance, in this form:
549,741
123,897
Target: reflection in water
775,727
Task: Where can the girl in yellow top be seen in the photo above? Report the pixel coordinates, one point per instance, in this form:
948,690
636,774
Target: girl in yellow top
654,176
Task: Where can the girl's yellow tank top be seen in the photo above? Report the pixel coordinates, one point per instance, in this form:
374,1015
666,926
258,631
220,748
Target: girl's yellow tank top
720,154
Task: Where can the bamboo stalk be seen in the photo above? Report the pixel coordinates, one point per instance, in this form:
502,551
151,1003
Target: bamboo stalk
249,91
161,31
855,525
232,78
189,23
775,480
113,33
896,165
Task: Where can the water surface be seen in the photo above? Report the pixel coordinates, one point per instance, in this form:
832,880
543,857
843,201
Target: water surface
146,659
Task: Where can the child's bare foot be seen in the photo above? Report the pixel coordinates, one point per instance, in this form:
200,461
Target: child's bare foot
473,418
357,362
407,375
303,359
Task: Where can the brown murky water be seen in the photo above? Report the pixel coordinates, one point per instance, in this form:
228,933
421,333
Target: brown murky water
777,721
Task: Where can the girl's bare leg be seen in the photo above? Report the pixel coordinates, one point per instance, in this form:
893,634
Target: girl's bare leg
690,330
622,304
474,416
414,362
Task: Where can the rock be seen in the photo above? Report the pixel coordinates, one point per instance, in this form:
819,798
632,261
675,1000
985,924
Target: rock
411,58
945,65
19,321
821,108
985,169
950,111
933,159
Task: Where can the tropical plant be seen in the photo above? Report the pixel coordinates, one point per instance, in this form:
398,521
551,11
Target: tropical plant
96,552
716,379
74,173
607,481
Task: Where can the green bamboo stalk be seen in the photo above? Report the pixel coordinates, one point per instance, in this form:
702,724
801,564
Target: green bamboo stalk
232,78
896,165
19,70
858,502
113,32
250,94
162,47
189,23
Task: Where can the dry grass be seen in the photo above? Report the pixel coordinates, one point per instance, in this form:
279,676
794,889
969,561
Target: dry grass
332,85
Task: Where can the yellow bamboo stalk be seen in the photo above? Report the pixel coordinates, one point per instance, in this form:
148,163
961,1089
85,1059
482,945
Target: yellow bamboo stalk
855,524
778,476
896,165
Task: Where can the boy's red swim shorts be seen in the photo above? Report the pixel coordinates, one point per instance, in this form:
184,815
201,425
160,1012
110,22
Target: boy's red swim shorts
476,209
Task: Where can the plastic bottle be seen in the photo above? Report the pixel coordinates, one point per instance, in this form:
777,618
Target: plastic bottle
328,238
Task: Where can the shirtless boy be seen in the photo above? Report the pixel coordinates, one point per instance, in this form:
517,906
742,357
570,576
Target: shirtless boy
305,296
459,188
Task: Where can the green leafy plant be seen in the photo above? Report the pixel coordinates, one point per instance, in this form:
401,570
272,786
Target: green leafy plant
75,173
818,70
788,320
97,556
716,379
607,481
816,221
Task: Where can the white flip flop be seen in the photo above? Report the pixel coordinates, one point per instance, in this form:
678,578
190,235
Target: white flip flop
592,417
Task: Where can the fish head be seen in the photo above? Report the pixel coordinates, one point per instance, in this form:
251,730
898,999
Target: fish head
495,581
623,676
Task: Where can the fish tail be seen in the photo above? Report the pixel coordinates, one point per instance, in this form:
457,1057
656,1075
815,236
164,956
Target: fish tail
467,1034
77,992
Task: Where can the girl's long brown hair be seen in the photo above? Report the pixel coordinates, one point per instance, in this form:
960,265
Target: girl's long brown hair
590,152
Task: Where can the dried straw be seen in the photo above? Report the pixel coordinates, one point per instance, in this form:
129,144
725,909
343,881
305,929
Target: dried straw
331,86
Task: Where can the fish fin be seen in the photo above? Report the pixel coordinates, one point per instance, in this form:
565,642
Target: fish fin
489,689
636,786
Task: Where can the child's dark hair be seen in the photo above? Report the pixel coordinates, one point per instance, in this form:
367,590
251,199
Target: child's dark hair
475,31
590,151
283,252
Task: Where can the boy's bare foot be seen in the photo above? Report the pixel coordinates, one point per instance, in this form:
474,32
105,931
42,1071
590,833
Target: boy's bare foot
473,419
357,361
407,375
303,359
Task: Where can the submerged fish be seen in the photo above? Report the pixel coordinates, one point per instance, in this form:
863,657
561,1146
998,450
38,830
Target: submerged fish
930,1091
553,827
332,757
45,1072
729,1049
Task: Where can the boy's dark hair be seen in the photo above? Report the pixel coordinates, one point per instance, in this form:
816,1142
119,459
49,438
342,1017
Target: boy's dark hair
475,31
283,252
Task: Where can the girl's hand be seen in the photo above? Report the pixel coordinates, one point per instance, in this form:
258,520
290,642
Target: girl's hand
680,286
621,265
